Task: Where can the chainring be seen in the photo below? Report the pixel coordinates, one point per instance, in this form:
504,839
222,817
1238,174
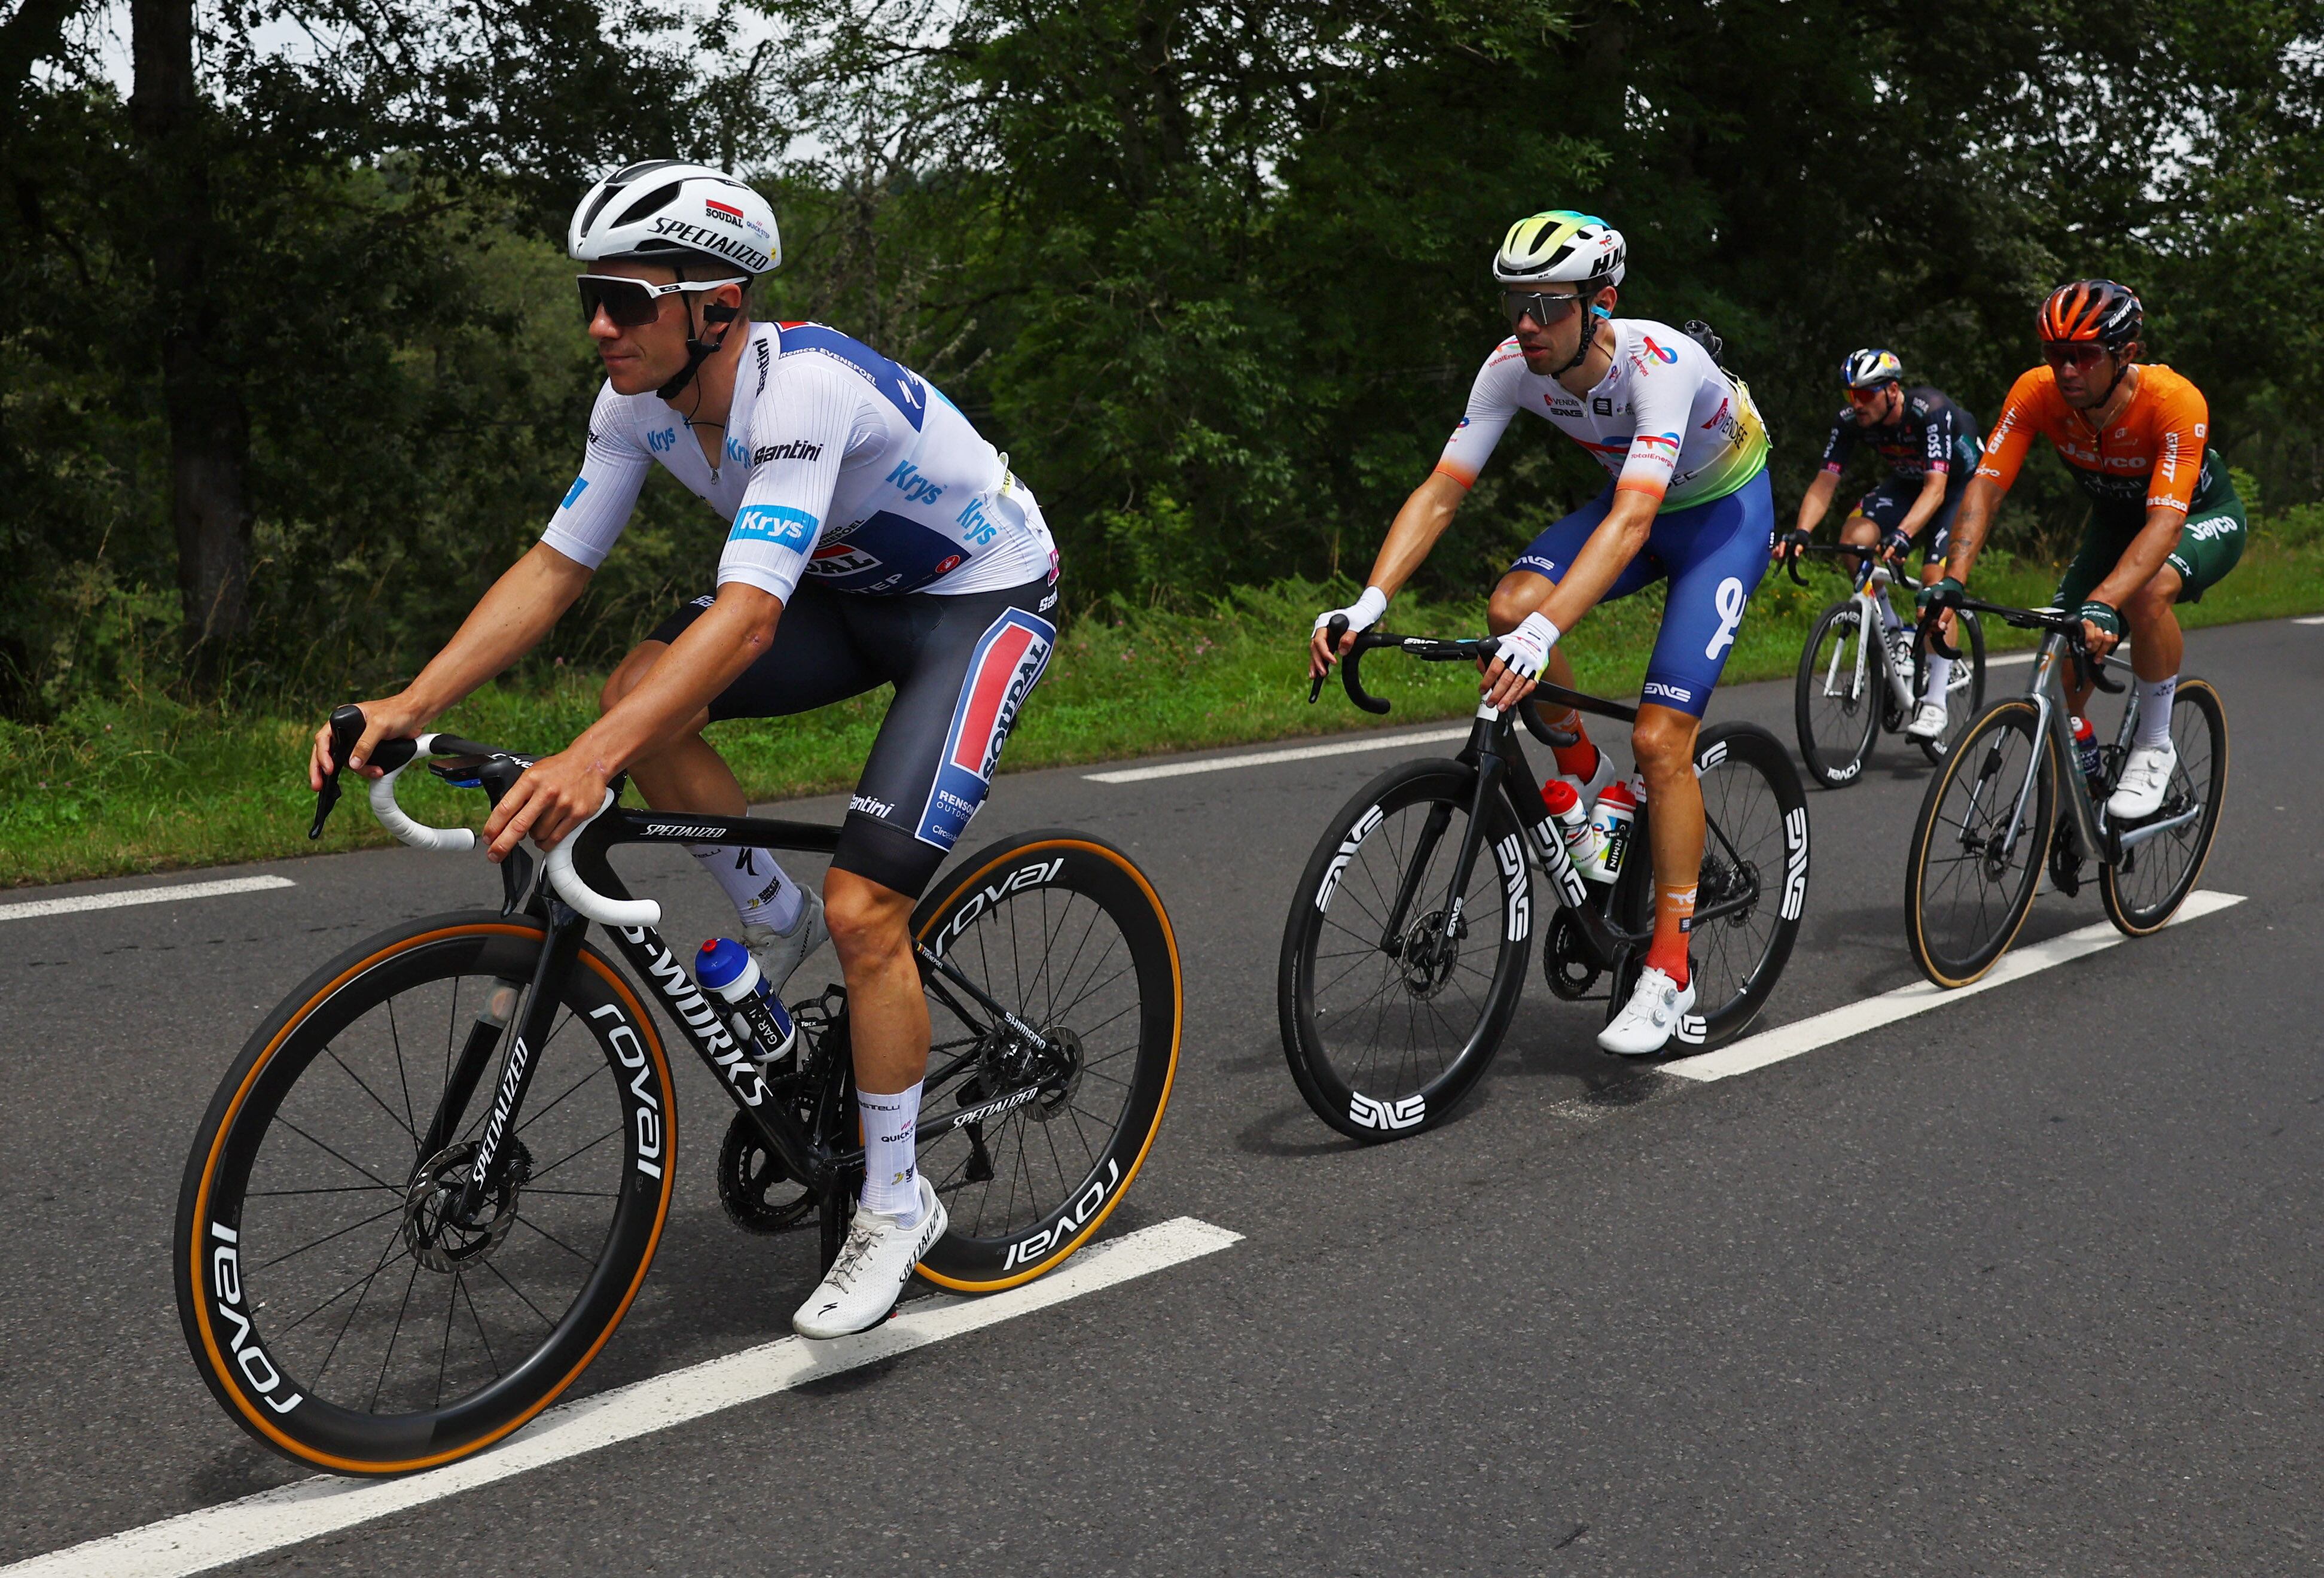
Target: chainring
1568,961
754,1187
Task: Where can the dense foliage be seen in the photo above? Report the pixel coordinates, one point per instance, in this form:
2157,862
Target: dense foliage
1214,273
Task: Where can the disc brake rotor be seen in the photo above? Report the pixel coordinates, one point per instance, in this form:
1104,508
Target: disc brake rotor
441,1240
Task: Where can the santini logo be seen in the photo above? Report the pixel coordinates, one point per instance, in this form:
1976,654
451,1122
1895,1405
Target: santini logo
797,449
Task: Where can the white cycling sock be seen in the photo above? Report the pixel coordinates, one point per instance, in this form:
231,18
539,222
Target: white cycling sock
1941,669
763,893
2155,711
892,1180
1889,613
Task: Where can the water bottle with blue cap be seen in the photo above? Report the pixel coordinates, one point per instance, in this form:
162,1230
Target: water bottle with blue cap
760,1021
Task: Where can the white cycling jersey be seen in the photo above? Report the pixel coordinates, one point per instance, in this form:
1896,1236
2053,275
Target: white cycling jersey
838,463
1665,421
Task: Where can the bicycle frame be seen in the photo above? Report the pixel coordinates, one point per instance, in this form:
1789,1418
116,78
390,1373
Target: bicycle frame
1871,595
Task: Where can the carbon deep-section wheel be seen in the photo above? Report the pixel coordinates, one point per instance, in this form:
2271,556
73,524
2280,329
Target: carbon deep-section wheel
1031,1142
1754,881
337,1305
1392,996
1980,842
1836,698
2154,877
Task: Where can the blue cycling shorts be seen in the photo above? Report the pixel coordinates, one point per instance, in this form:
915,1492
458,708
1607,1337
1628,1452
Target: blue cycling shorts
1886,506
1714,555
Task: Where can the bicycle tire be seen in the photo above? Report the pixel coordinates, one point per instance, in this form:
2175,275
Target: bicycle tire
1116,1037
1966,691
2134,918
1835,754
1751,837
1354,1099
235,1308
1957,951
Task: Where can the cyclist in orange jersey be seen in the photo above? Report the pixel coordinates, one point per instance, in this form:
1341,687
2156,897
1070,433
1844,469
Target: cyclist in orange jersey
2166,523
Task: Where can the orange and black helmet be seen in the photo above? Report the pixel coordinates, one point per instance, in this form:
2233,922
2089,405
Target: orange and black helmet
2091,310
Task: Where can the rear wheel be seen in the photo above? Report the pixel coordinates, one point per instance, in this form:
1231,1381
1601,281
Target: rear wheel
1979,844
1836,698
1031,1145
2146,888
333,1303
1393,998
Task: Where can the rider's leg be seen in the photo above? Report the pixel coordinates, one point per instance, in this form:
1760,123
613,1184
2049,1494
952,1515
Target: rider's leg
2157,648
1663,740
685,773
888,1027
1860,530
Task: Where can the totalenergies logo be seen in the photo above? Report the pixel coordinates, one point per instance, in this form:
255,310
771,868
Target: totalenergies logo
1667,358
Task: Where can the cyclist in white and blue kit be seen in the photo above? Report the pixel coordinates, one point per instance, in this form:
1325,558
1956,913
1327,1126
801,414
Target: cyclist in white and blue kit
1686,501
876,538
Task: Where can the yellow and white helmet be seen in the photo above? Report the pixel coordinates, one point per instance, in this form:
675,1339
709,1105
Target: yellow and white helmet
1561,246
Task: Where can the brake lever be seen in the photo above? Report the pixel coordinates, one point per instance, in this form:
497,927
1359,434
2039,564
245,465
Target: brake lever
347,728
1332,631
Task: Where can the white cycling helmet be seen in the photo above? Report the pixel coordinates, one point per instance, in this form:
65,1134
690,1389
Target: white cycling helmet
647,211
1561,247
1870,368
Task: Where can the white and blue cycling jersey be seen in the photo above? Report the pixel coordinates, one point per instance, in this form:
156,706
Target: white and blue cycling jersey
837,464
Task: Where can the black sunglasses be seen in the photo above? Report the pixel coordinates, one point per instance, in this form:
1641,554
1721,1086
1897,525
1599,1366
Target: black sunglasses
1548,311
629,303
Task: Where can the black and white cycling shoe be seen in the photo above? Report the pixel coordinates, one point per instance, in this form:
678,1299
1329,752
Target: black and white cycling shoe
1649,1020
874,1265
779,953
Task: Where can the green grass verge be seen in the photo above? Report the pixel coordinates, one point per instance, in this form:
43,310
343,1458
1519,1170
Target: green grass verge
146,785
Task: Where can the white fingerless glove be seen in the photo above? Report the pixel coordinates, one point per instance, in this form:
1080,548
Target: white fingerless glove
1361,615
1526,648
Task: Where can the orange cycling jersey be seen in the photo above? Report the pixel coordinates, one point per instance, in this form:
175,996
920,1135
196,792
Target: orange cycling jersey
2152,454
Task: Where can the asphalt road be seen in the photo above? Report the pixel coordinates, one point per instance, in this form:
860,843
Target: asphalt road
2029,1284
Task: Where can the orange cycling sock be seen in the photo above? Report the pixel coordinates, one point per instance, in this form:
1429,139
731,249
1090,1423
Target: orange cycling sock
1673,924
1578,760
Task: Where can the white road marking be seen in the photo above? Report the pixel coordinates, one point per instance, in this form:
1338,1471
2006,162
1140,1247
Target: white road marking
197,1542
1856,1018
2311,619
1265,757
40,907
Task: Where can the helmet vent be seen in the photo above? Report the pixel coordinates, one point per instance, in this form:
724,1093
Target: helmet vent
653,202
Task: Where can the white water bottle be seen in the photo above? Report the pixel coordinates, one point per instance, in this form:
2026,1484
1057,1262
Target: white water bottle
1615,814
1574,828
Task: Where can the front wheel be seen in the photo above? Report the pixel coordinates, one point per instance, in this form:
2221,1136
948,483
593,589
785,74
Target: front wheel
1393,989
335,1305
1837,697
2153,879
1032,1144
1979,846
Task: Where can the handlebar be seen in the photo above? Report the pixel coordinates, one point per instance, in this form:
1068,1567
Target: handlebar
1428,648
2089,669
1870,553
395,755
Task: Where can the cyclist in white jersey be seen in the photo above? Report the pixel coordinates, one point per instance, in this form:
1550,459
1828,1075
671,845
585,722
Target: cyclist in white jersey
1687,500
876,540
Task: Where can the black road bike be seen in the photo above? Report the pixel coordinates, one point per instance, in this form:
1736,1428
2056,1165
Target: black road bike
1989,820
1851,685
1405,949
431,1186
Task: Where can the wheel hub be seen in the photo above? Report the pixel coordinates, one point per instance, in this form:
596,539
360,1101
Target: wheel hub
439,1237
1427,956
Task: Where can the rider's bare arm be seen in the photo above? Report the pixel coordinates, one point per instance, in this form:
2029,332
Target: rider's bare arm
1979,500
1817,500
1417,525
2143,557
507,621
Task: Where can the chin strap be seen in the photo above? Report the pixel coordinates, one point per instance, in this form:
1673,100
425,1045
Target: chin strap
697,351
1588,339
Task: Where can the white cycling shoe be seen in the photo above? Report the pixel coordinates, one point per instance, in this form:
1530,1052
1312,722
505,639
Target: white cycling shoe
1929,722
2138,793
779,953
874,1265
1650,1018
